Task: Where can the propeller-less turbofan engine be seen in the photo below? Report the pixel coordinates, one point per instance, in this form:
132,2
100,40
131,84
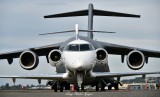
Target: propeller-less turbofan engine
29,60
135,60
102,56
55,57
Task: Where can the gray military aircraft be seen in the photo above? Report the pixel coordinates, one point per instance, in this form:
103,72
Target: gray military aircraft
81,60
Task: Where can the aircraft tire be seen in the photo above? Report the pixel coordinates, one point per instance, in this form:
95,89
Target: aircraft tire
109,87
67,86
82,87
76,87
116,86
61,87
102,88
54,87
97,88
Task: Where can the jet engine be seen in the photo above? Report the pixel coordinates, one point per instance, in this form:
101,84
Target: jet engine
29,60
55,57
102,56
135,60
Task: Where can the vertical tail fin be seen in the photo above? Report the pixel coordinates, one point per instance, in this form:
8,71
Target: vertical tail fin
90,12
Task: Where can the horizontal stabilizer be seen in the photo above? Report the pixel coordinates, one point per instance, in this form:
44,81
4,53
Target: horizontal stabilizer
58,32
111,13
68,14
78,31
95,12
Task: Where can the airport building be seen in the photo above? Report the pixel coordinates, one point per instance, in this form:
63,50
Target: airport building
139,86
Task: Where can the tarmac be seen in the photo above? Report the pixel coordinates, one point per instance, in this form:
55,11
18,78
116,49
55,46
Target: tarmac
51,93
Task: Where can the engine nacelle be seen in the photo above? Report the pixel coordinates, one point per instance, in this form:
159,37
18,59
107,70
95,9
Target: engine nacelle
102,56
135,60
55,57
29,60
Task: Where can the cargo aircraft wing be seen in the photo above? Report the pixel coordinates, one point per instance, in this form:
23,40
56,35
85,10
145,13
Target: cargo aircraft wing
113,74
65,76
116,49
59,76
124,50
40,51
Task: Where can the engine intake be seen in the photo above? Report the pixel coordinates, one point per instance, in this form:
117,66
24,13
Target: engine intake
55,57
135,60
29,60
101,55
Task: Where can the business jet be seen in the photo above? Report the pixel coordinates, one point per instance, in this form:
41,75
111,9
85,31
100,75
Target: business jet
81,60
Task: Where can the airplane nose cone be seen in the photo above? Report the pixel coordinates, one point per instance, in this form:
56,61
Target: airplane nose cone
79,66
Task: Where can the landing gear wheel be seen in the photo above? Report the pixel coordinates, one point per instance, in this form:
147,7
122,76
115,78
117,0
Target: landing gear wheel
54,87
109,87
102,88
67,86
82,86
76,87
61,87
97,88
116,86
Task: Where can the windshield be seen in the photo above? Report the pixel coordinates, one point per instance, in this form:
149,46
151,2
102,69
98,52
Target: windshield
79,47
73,47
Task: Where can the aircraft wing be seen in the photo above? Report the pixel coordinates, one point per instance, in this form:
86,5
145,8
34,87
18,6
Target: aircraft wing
112,74
40,51
59,76
124,50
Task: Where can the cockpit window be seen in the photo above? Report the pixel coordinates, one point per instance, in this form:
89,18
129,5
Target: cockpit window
73,47
79,47
85,47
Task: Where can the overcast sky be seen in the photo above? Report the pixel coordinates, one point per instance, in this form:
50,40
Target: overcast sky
22,20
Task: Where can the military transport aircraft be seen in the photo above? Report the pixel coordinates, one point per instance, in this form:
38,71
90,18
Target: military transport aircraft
81,60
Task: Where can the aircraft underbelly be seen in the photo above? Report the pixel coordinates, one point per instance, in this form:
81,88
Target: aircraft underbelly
60,69
101,68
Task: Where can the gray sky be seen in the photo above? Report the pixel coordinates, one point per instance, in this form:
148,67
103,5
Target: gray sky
21,21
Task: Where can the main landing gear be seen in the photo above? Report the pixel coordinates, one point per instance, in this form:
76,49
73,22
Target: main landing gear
102,85
57,85
115,84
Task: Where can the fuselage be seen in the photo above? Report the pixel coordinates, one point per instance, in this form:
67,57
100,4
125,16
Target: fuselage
78,60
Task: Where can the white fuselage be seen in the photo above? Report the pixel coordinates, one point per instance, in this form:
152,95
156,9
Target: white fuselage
79,59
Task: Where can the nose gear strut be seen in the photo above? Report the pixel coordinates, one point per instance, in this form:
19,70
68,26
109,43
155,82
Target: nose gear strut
80,80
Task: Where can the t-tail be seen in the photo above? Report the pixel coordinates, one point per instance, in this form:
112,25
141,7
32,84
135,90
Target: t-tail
90,12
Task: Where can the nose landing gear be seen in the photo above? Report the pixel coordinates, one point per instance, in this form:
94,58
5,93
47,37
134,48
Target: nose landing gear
79,85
